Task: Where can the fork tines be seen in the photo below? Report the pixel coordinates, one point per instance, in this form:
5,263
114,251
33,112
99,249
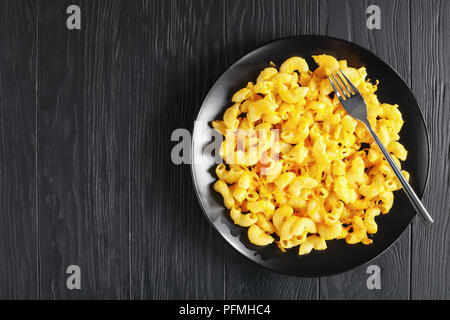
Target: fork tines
350,89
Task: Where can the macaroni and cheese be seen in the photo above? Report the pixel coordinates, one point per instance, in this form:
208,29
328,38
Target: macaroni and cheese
298,170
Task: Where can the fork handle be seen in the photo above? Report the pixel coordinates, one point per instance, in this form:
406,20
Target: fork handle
417,204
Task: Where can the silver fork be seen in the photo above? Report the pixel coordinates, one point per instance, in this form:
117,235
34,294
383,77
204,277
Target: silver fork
353,102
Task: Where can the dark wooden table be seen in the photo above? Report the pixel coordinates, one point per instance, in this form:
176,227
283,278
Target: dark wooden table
86,118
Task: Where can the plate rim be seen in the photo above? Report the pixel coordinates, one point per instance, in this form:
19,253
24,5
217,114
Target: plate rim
216,83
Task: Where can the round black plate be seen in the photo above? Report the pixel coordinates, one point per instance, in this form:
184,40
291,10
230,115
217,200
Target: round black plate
339,256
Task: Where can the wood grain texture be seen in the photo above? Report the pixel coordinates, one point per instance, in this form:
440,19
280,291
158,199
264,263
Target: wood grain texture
430,74
250,24
85,165
177,53
18,223
347,20
83,158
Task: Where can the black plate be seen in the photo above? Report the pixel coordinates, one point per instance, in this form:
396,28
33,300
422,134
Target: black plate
339,256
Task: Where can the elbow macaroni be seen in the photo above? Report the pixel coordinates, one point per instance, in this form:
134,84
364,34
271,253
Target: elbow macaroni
298,169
